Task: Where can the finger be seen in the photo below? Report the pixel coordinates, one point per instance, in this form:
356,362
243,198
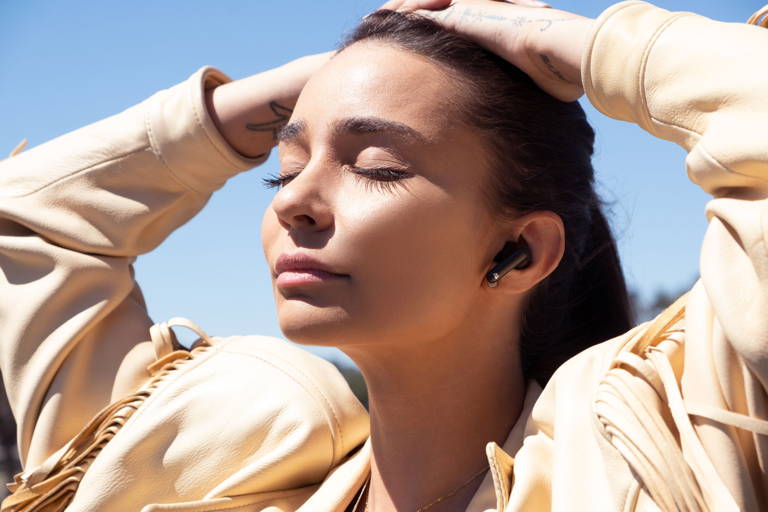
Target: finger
528,3
392,5
415,5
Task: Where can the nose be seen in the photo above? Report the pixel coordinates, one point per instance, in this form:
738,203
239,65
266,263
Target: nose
303,203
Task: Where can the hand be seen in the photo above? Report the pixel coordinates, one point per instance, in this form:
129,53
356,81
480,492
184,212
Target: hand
545,43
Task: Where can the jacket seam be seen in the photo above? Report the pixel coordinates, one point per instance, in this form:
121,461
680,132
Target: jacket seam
262,500
763,227
587,62
155,146
646,111
219,143
204,505
724,167
316,388
75,173
198,120
162,389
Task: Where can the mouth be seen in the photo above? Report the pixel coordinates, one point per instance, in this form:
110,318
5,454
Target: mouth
301,269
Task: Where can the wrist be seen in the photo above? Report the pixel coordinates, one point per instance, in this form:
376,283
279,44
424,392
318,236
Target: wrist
556,54
248,112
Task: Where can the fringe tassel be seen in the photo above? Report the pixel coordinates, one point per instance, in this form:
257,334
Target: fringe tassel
760,18
51,486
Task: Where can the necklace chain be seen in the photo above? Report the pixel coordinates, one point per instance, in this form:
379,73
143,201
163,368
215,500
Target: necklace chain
425,507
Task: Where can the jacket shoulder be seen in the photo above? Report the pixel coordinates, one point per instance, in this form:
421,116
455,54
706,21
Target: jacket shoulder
245,415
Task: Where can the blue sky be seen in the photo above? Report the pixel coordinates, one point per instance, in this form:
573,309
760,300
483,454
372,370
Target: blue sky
66,64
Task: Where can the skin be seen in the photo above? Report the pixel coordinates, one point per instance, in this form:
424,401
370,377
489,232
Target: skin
428,235
546,43
411,308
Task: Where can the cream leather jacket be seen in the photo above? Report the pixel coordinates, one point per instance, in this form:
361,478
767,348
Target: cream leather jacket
671,416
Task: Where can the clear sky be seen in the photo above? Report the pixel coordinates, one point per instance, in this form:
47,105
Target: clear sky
66,64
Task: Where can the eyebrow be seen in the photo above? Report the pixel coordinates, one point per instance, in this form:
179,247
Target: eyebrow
290,131
367,125
358,126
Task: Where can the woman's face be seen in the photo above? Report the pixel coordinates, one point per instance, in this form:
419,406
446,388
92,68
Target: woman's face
380,232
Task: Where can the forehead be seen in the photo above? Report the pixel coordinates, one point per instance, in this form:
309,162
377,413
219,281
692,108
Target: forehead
373,79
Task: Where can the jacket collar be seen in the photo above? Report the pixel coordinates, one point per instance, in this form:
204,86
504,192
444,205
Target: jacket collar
495,489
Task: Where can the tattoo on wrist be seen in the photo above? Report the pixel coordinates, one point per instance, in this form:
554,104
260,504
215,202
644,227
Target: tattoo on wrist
549,23
282,114
551,68
477,15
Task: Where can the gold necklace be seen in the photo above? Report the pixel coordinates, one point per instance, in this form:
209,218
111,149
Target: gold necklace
360,496
425,507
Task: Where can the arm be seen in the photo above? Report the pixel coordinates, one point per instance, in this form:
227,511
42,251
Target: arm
76,212
711,100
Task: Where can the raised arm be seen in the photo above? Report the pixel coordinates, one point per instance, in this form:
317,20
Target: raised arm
75,213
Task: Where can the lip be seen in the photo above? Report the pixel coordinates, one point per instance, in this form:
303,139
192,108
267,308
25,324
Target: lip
301,268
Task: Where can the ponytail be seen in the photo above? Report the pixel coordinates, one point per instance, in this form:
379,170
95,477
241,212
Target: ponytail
583,302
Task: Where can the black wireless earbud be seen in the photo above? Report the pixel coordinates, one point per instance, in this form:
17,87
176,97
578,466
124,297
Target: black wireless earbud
512,256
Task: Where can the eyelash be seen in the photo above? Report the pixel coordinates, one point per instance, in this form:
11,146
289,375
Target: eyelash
382,178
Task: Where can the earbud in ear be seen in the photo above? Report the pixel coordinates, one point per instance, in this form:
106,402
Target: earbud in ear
512,256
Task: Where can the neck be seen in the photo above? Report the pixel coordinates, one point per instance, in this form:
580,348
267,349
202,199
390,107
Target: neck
434,406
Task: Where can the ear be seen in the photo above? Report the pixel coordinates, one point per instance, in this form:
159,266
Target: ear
544,234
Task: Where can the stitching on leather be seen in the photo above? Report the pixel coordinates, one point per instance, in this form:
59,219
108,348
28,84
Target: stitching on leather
763,228
32,490
497,478
159,154
75,173
334,414
262,501
195,106
706,154
317,388
648,48
677,126
189,365
618,8
204,506
325,398
216,76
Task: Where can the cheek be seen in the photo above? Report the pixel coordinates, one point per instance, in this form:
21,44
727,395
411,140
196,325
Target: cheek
417,260
269,229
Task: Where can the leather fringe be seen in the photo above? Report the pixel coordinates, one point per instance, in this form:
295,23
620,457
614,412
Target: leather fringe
51,486
760,18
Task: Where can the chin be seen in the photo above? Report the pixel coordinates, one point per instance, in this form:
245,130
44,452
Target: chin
307,324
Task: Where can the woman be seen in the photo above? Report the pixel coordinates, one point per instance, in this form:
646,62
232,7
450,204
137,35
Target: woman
331,241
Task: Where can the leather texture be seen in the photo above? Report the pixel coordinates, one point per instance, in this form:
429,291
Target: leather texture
670,416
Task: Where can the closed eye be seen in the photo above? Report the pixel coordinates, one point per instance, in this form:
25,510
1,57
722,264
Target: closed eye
385,179
279,180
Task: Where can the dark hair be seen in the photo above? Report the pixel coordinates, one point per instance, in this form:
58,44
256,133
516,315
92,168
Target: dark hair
541,150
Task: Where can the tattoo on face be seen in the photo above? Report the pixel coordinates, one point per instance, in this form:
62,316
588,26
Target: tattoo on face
282,114
551,67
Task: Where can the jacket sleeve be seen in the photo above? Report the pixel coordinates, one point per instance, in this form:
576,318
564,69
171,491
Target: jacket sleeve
703,85
75,213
